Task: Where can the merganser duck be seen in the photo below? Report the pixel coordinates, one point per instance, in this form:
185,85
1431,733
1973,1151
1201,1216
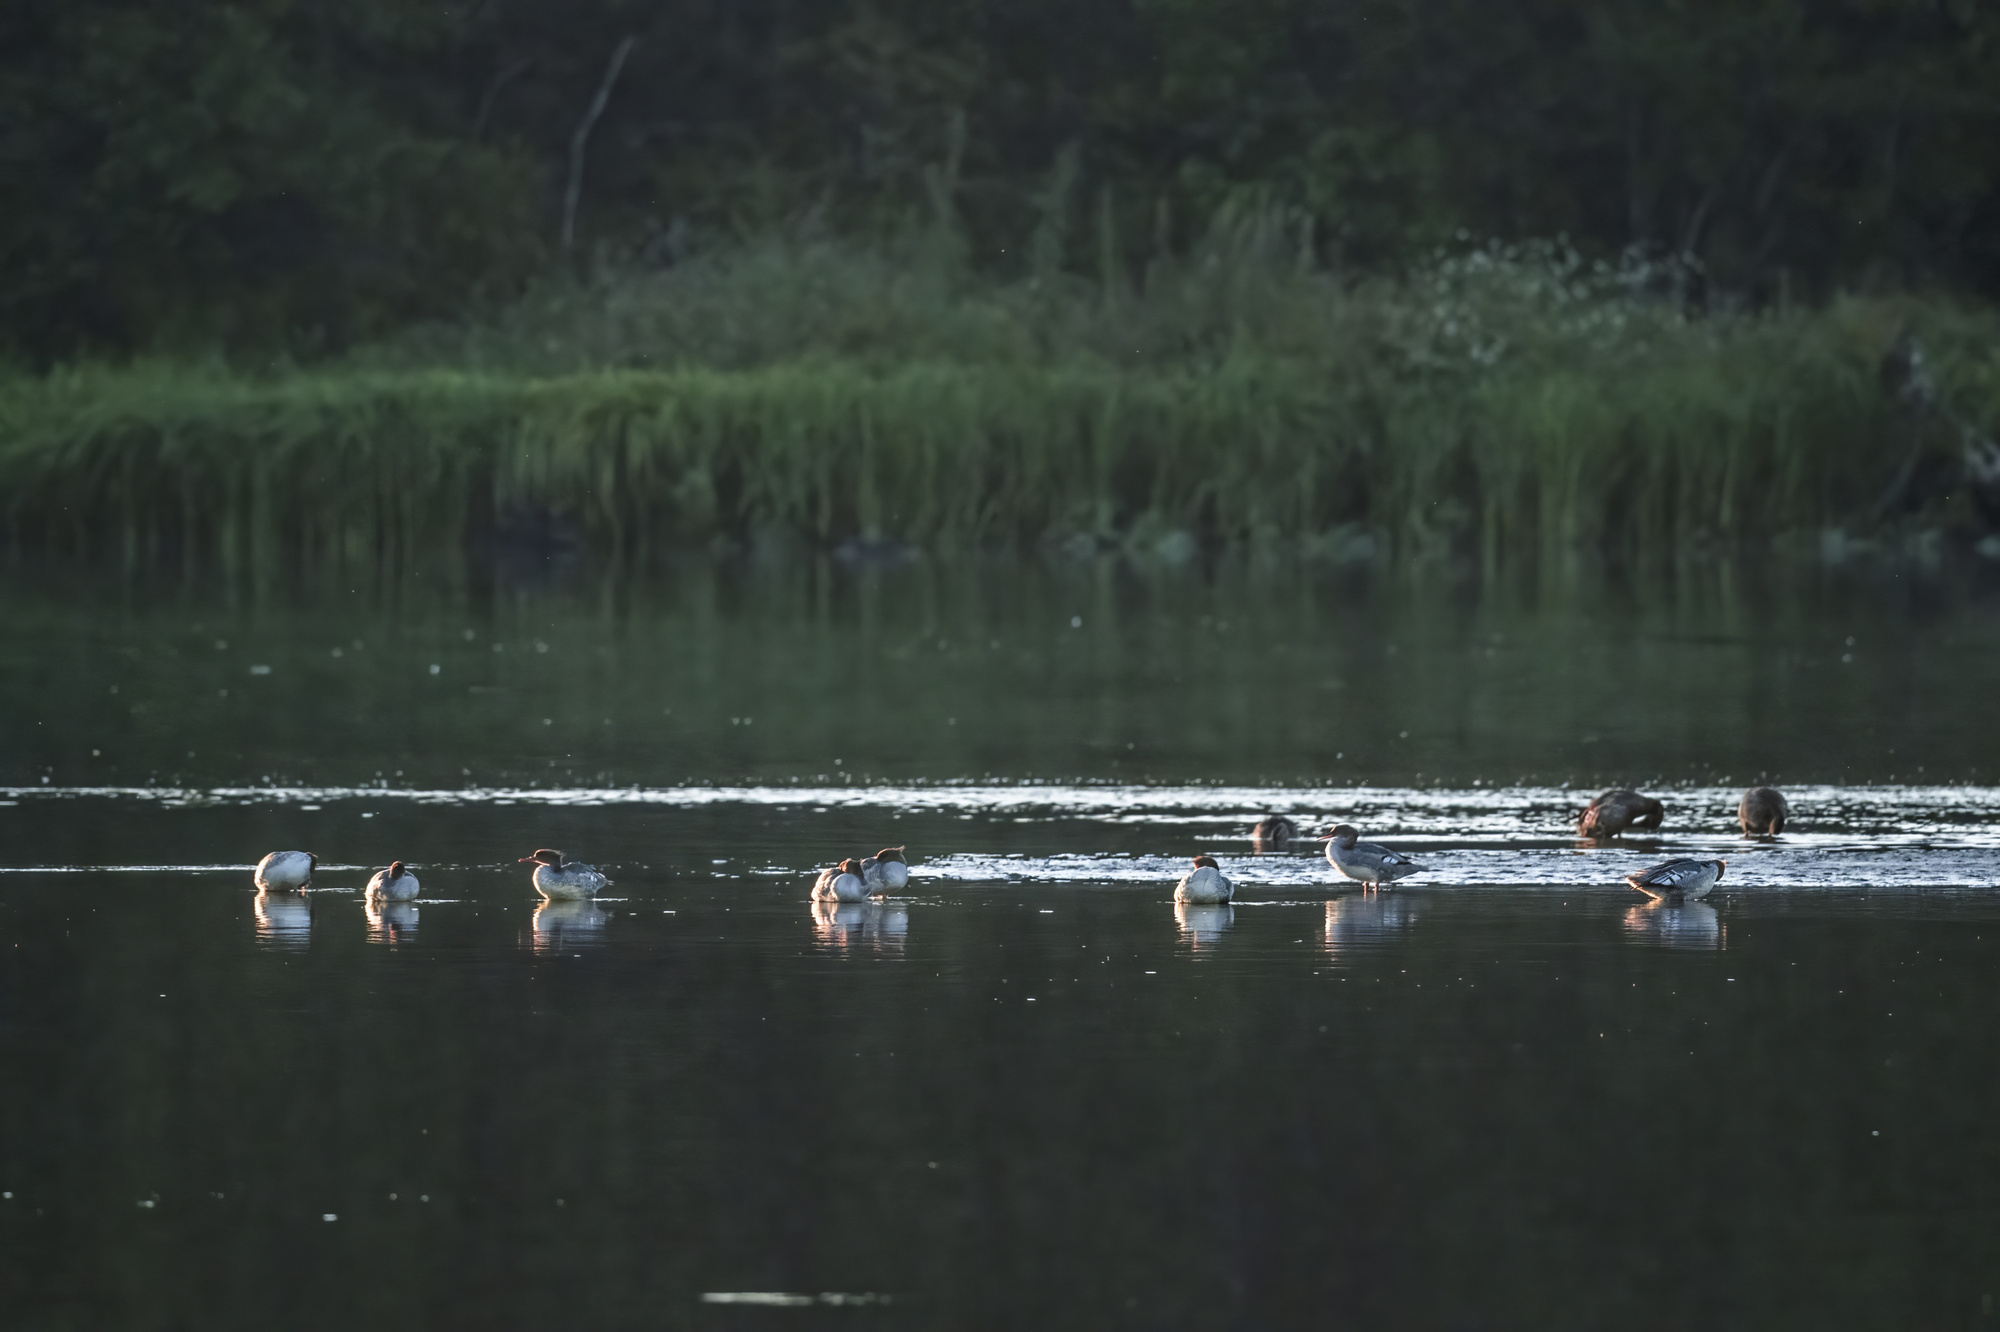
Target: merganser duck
1615,811
1678,879
841,883
286,871
1204,884
563,880
1273,833
1365,861
1762,812
394,884
886,871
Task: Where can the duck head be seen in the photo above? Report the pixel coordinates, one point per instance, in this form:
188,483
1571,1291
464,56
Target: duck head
1342,836
1720,865
396,871
1206,862
553,859
894,853
851,866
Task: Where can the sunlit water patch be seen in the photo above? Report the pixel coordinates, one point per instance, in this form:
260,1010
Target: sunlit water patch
1125,836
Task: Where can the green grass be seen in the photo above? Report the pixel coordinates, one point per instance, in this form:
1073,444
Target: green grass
1493,403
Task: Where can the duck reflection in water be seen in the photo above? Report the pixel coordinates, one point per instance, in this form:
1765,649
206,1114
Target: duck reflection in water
390,922
860,924
566,923
1202,923
284,920
1358,920
1670,924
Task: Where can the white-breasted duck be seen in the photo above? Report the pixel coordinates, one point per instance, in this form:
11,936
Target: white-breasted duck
1615,811
286,871
395,884
1762,812
841,883
1366,862
1204,884
561,879
1274,832
886,871
1678,880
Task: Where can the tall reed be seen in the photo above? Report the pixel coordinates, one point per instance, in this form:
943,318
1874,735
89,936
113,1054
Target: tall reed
1496,401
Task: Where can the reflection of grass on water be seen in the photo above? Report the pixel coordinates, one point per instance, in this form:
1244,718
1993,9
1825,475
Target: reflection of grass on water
1493,401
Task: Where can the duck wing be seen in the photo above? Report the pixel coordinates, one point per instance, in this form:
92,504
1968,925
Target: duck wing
1670,875
1382,855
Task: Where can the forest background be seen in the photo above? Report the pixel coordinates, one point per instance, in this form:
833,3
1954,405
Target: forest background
1432,275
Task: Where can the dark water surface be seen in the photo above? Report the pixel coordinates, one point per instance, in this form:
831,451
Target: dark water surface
1031,1091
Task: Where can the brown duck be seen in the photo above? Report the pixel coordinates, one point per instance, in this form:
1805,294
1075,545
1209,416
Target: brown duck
1274,833
1615,811
1762,812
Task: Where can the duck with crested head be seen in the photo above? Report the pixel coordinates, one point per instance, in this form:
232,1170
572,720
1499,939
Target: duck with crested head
561,879
841,883
1678,880
1365,862
1614,811
1204,884
395,884
285,871
887,871
1762,812
1273,832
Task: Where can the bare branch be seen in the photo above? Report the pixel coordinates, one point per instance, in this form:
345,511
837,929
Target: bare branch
506,75
582,136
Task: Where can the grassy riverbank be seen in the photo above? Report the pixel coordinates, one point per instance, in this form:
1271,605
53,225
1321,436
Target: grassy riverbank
1495,402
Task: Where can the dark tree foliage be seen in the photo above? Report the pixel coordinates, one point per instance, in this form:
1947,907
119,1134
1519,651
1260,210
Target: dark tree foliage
238,170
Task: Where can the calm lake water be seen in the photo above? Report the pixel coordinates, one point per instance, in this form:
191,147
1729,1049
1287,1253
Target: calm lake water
1031,1091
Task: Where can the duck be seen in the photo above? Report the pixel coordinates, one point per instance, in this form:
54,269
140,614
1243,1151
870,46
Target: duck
1204,884
1678,880
841,883
1762,812
886,871
1371,864
286,871
1615,811
1274,832
395,884
563,880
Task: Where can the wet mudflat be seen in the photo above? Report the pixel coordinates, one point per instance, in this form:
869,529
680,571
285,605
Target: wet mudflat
1032,1090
